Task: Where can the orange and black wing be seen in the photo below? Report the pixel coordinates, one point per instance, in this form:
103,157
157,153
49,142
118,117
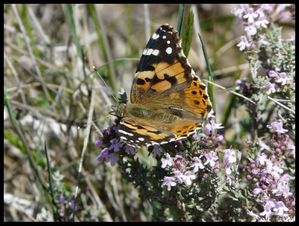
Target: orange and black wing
162,69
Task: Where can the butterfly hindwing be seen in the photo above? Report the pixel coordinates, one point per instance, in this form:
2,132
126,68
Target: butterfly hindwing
138,133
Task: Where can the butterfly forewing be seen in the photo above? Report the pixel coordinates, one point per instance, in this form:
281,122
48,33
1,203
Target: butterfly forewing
162,67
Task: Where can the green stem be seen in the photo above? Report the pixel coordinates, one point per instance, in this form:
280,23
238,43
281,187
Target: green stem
210,76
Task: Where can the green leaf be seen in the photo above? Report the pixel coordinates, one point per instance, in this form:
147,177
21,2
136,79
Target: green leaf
71,23
181,19
188,34
13,139
101,44
210,77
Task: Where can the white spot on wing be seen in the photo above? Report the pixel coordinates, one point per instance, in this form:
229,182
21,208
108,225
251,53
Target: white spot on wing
168,42
141,138
164,37
155,36
169,50
156,52
127,133
149,52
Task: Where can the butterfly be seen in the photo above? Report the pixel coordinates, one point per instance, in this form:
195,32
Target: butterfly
168,101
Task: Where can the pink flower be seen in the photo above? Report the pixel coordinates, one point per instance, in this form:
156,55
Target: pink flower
275,170
262,159
188,178
239,11
197,164
229,156
270,88
272,74
179,176
268,208
280,209
276,126
282,187
219,138
257,191
169,182
250,15
251,30
211,158
285,16
244,43
211,126
282,78
167,161
263,41
261,23
228,170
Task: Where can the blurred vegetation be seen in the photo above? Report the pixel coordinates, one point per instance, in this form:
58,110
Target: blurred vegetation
56,106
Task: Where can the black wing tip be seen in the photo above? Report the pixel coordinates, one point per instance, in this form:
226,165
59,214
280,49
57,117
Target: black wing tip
167,28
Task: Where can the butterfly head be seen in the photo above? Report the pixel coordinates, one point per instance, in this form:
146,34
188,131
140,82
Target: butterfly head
118,110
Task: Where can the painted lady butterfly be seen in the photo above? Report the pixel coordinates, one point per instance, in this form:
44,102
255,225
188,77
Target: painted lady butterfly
168,101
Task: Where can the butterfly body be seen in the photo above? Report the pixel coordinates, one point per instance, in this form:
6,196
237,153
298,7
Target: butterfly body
167,100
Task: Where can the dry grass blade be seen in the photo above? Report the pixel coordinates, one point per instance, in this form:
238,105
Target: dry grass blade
39,76
147,25
19,87
281,105
87,132
230,91
106,216
39,27
231,69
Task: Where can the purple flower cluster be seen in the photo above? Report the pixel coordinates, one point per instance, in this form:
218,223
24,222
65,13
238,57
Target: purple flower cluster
271,181
229,164
279,79
281,143
277,127
111,145
271,187
210,137
182,171
255,18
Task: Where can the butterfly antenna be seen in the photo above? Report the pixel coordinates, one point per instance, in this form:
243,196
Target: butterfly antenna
95,69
